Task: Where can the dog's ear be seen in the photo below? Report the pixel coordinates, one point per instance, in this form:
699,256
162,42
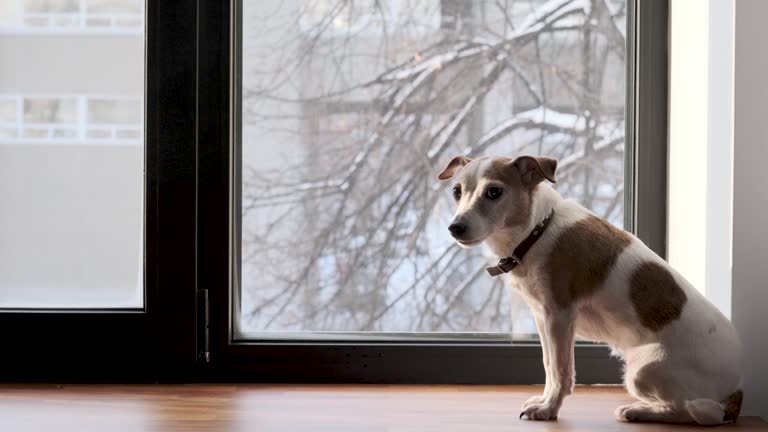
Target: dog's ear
453,166
534,170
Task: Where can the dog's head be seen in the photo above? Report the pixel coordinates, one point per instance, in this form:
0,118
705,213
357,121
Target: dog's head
493,193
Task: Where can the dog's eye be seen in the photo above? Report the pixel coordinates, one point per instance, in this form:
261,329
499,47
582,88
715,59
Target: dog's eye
493,192
456,193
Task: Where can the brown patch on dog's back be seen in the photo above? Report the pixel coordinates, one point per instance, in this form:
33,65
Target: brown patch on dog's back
582,257
733,406
657,298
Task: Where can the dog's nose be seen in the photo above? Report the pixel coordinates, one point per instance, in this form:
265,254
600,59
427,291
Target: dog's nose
457,229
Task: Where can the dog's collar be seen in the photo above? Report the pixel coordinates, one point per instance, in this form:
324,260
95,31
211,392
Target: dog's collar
506,265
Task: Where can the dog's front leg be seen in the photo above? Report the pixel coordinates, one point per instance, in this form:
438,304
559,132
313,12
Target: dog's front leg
560,334
544,359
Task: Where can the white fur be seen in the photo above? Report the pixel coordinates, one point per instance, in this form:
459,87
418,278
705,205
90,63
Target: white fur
696,357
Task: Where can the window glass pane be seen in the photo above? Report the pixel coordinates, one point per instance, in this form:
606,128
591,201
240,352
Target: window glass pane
71,154
351,108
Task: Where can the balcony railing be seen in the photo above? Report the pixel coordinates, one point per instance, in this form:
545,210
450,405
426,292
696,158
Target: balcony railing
80,20
14,129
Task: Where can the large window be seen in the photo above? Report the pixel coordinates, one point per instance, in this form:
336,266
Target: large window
246,190
350,109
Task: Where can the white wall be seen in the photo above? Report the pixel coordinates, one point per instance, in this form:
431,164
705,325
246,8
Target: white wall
700,145
688,139
718,259
750,199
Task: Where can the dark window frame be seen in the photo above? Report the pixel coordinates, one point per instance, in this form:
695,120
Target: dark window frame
646,168
400,362
158,341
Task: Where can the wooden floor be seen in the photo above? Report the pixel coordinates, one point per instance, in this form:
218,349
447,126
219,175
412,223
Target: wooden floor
267,408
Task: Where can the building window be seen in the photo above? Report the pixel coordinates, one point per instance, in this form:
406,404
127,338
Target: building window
80,120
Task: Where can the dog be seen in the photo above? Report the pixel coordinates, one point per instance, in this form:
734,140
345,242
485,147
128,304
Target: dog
582,276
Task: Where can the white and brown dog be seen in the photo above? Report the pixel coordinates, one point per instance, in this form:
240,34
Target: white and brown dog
583,276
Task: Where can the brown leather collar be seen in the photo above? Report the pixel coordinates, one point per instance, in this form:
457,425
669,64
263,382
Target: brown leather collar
506,265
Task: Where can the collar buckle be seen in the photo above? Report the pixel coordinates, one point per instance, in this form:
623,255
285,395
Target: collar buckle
505,265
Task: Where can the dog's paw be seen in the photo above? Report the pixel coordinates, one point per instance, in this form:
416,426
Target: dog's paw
539,412
619,412
629,412
533,400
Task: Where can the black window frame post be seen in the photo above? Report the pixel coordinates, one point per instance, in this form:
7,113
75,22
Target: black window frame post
400,362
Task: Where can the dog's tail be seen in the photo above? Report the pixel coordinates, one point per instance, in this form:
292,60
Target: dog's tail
710,412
